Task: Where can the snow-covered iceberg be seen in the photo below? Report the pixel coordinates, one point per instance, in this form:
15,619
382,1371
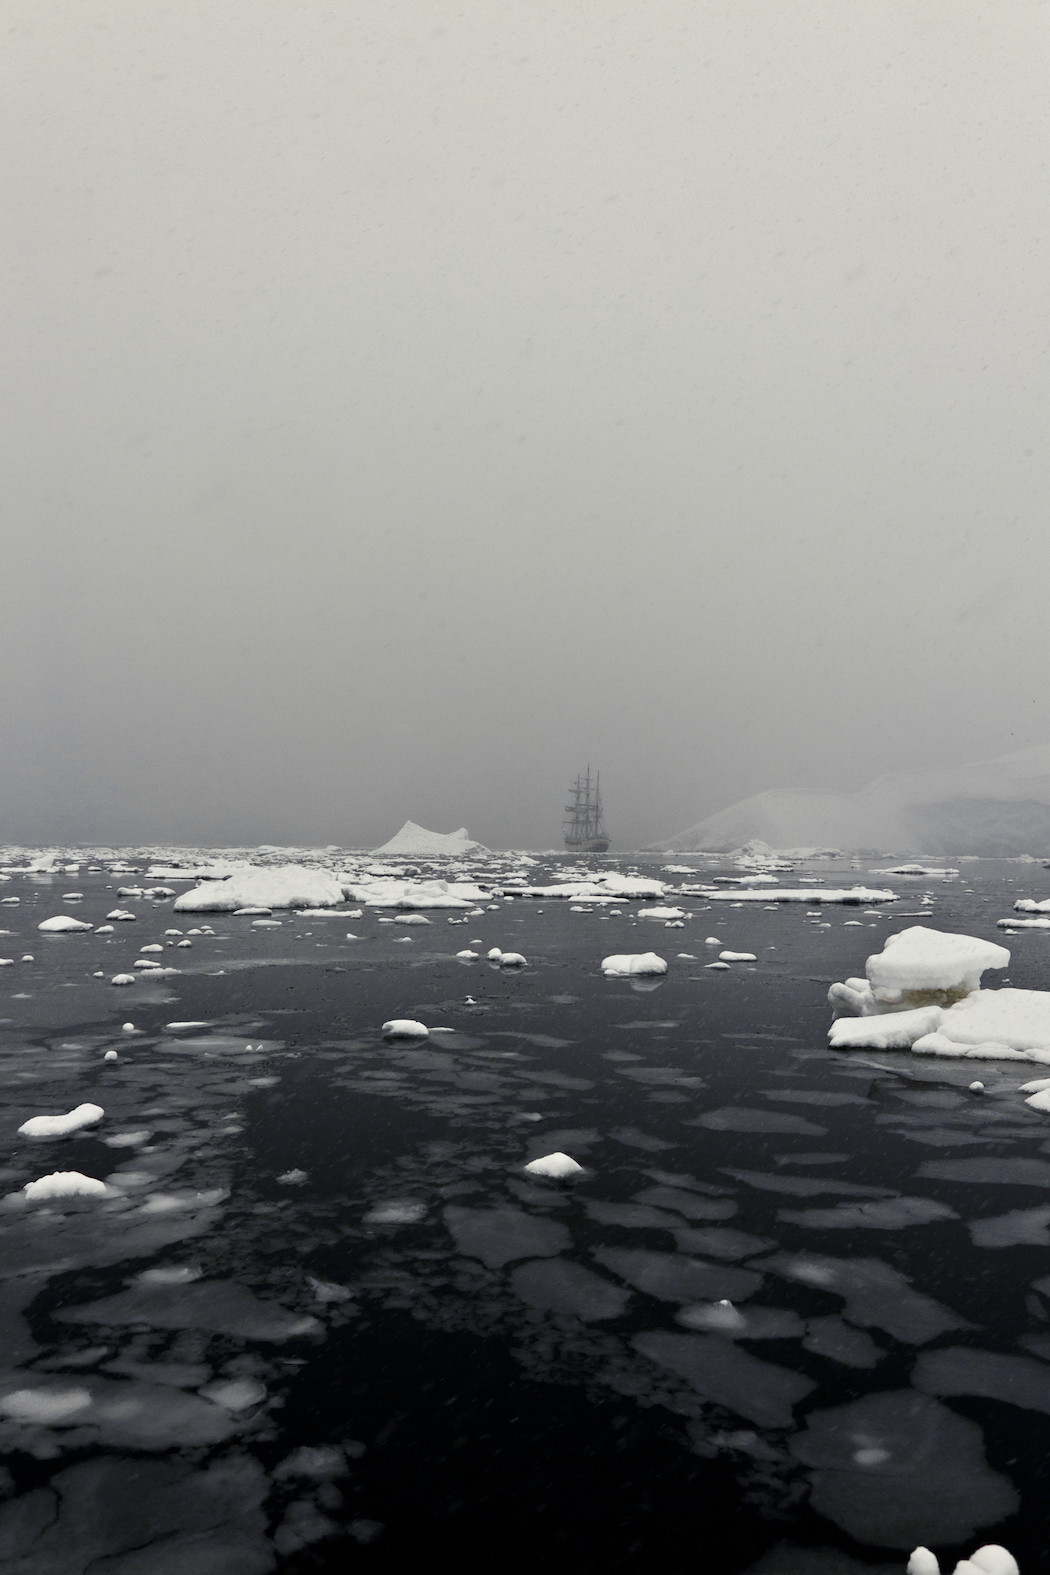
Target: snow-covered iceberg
286,886
999,806
417,842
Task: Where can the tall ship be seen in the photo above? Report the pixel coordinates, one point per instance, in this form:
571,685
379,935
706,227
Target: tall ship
584,832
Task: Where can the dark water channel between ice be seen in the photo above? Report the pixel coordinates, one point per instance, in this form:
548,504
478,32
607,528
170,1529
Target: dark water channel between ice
329,1323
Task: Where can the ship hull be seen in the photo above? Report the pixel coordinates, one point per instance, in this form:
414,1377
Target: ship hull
593,845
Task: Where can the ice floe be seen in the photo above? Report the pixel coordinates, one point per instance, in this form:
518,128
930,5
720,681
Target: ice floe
58,1126
62,924
896,1466
851,897
286,886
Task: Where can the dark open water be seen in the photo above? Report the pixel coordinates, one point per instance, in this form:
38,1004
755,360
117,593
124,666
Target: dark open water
422,1354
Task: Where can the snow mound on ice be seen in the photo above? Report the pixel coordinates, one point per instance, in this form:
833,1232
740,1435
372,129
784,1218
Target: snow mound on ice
65,1184
556,1165
624,963
58,1126
418,842
62,924
283,886
923,959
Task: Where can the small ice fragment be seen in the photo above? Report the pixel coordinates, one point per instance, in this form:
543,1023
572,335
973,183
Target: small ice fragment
397,1212
293,1178
556,1165
111,1055
467,955
512,960
738,957
327,1290
235,1394
129,1028
154,946
62,924
58,1126
405,1028
28,957
712,940
123,978
65,1184
722,966
494,955
976,1088
991,1560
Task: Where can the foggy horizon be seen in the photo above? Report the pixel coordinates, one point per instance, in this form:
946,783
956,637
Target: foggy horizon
406,408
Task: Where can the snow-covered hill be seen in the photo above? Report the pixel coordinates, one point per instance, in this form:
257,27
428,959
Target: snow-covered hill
990,807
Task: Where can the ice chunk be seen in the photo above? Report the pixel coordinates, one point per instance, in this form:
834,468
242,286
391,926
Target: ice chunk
498,1236
58,1126
45,1406
735,1118
1016,1020
921,960
721,1372
831,1337
405,1028
62,924
884,1031
633,963
278,886
737,957
557,1165
512,960
896,1466
65,1184
743,1323
661,913
559,1286
398,1211
235,1394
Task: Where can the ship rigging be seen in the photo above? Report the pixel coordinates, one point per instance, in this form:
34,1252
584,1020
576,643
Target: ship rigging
584,831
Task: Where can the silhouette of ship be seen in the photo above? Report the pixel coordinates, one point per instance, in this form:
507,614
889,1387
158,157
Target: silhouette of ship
584,832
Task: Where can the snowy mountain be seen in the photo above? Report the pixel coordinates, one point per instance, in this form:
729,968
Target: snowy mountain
990,807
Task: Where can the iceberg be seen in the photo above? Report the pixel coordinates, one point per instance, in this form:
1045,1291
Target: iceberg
417,842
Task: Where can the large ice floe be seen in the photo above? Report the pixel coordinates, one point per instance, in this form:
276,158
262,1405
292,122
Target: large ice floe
417,842
289,886
922,993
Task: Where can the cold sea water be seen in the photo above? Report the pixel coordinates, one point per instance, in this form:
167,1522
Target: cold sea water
793,1318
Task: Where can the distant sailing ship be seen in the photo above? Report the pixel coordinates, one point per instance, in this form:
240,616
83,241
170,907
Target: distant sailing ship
584,832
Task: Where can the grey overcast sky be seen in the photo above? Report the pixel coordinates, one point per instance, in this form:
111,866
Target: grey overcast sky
406,404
